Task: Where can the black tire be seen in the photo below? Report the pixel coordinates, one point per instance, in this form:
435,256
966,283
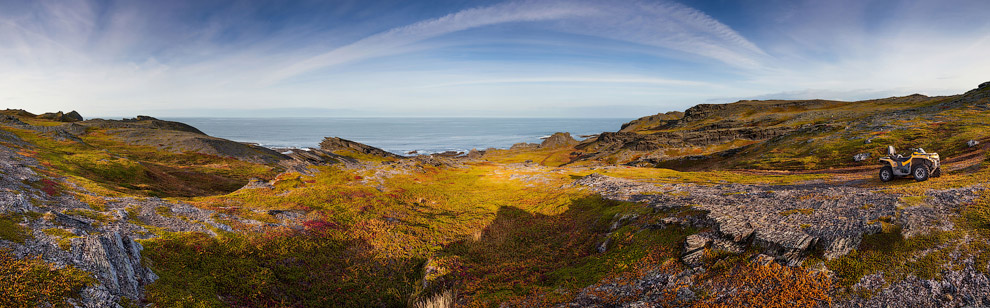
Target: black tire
886,174
937,172
920,173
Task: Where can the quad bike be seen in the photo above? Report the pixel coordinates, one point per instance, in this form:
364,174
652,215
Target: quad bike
919,165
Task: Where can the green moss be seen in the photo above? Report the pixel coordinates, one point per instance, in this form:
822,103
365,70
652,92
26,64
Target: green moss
797,211
164,211
10,230
304,269
94,215
889,252
913,201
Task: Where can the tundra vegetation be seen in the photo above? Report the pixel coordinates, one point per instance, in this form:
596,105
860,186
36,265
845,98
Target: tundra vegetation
506,227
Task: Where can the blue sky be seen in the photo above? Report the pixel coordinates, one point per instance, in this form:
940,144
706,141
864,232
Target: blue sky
537,58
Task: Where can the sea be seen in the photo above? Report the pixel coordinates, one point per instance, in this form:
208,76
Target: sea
401,135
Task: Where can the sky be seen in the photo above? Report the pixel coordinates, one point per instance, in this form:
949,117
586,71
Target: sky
478,58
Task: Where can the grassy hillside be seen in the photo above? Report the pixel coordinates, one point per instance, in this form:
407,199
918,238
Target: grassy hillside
795,135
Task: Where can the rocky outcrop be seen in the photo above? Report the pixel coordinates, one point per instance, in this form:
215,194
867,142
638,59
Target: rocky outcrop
610,142
788,222
337,144
184,141
653,122
72,116
115,260
142,122
558,140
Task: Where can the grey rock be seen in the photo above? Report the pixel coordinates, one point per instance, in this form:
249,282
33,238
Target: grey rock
972,143
603,247
695,242
861,157
116,260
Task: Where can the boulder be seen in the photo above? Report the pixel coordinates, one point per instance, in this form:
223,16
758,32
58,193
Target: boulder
861,157
72,116
558,140
475,154
695,242
972,143
336,144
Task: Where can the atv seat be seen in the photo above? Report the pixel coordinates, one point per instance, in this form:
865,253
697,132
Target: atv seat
896,157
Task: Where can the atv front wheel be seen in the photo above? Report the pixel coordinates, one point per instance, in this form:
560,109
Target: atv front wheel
886,174
937,172
920,173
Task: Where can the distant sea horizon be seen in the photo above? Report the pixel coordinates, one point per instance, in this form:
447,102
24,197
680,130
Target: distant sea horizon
397,134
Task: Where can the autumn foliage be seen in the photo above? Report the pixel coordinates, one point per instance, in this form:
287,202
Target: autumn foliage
30,282
771,286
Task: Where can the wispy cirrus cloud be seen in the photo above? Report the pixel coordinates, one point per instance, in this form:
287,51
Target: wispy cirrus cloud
519,56
666,25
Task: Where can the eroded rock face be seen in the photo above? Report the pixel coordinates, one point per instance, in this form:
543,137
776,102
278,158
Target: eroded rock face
116,261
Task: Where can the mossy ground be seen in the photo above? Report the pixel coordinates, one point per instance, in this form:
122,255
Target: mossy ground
30,282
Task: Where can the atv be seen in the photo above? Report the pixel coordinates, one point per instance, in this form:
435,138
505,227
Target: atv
920,165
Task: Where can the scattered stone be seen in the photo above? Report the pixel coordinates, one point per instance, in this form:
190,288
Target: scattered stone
972,143
861,157
603,247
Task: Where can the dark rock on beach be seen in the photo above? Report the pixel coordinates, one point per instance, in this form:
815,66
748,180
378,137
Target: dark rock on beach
336,144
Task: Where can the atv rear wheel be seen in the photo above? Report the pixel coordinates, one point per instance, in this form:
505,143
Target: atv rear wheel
920,173
886,174
937,172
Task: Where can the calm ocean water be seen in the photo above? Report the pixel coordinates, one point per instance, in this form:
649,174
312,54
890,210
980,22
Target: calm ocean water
399,135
